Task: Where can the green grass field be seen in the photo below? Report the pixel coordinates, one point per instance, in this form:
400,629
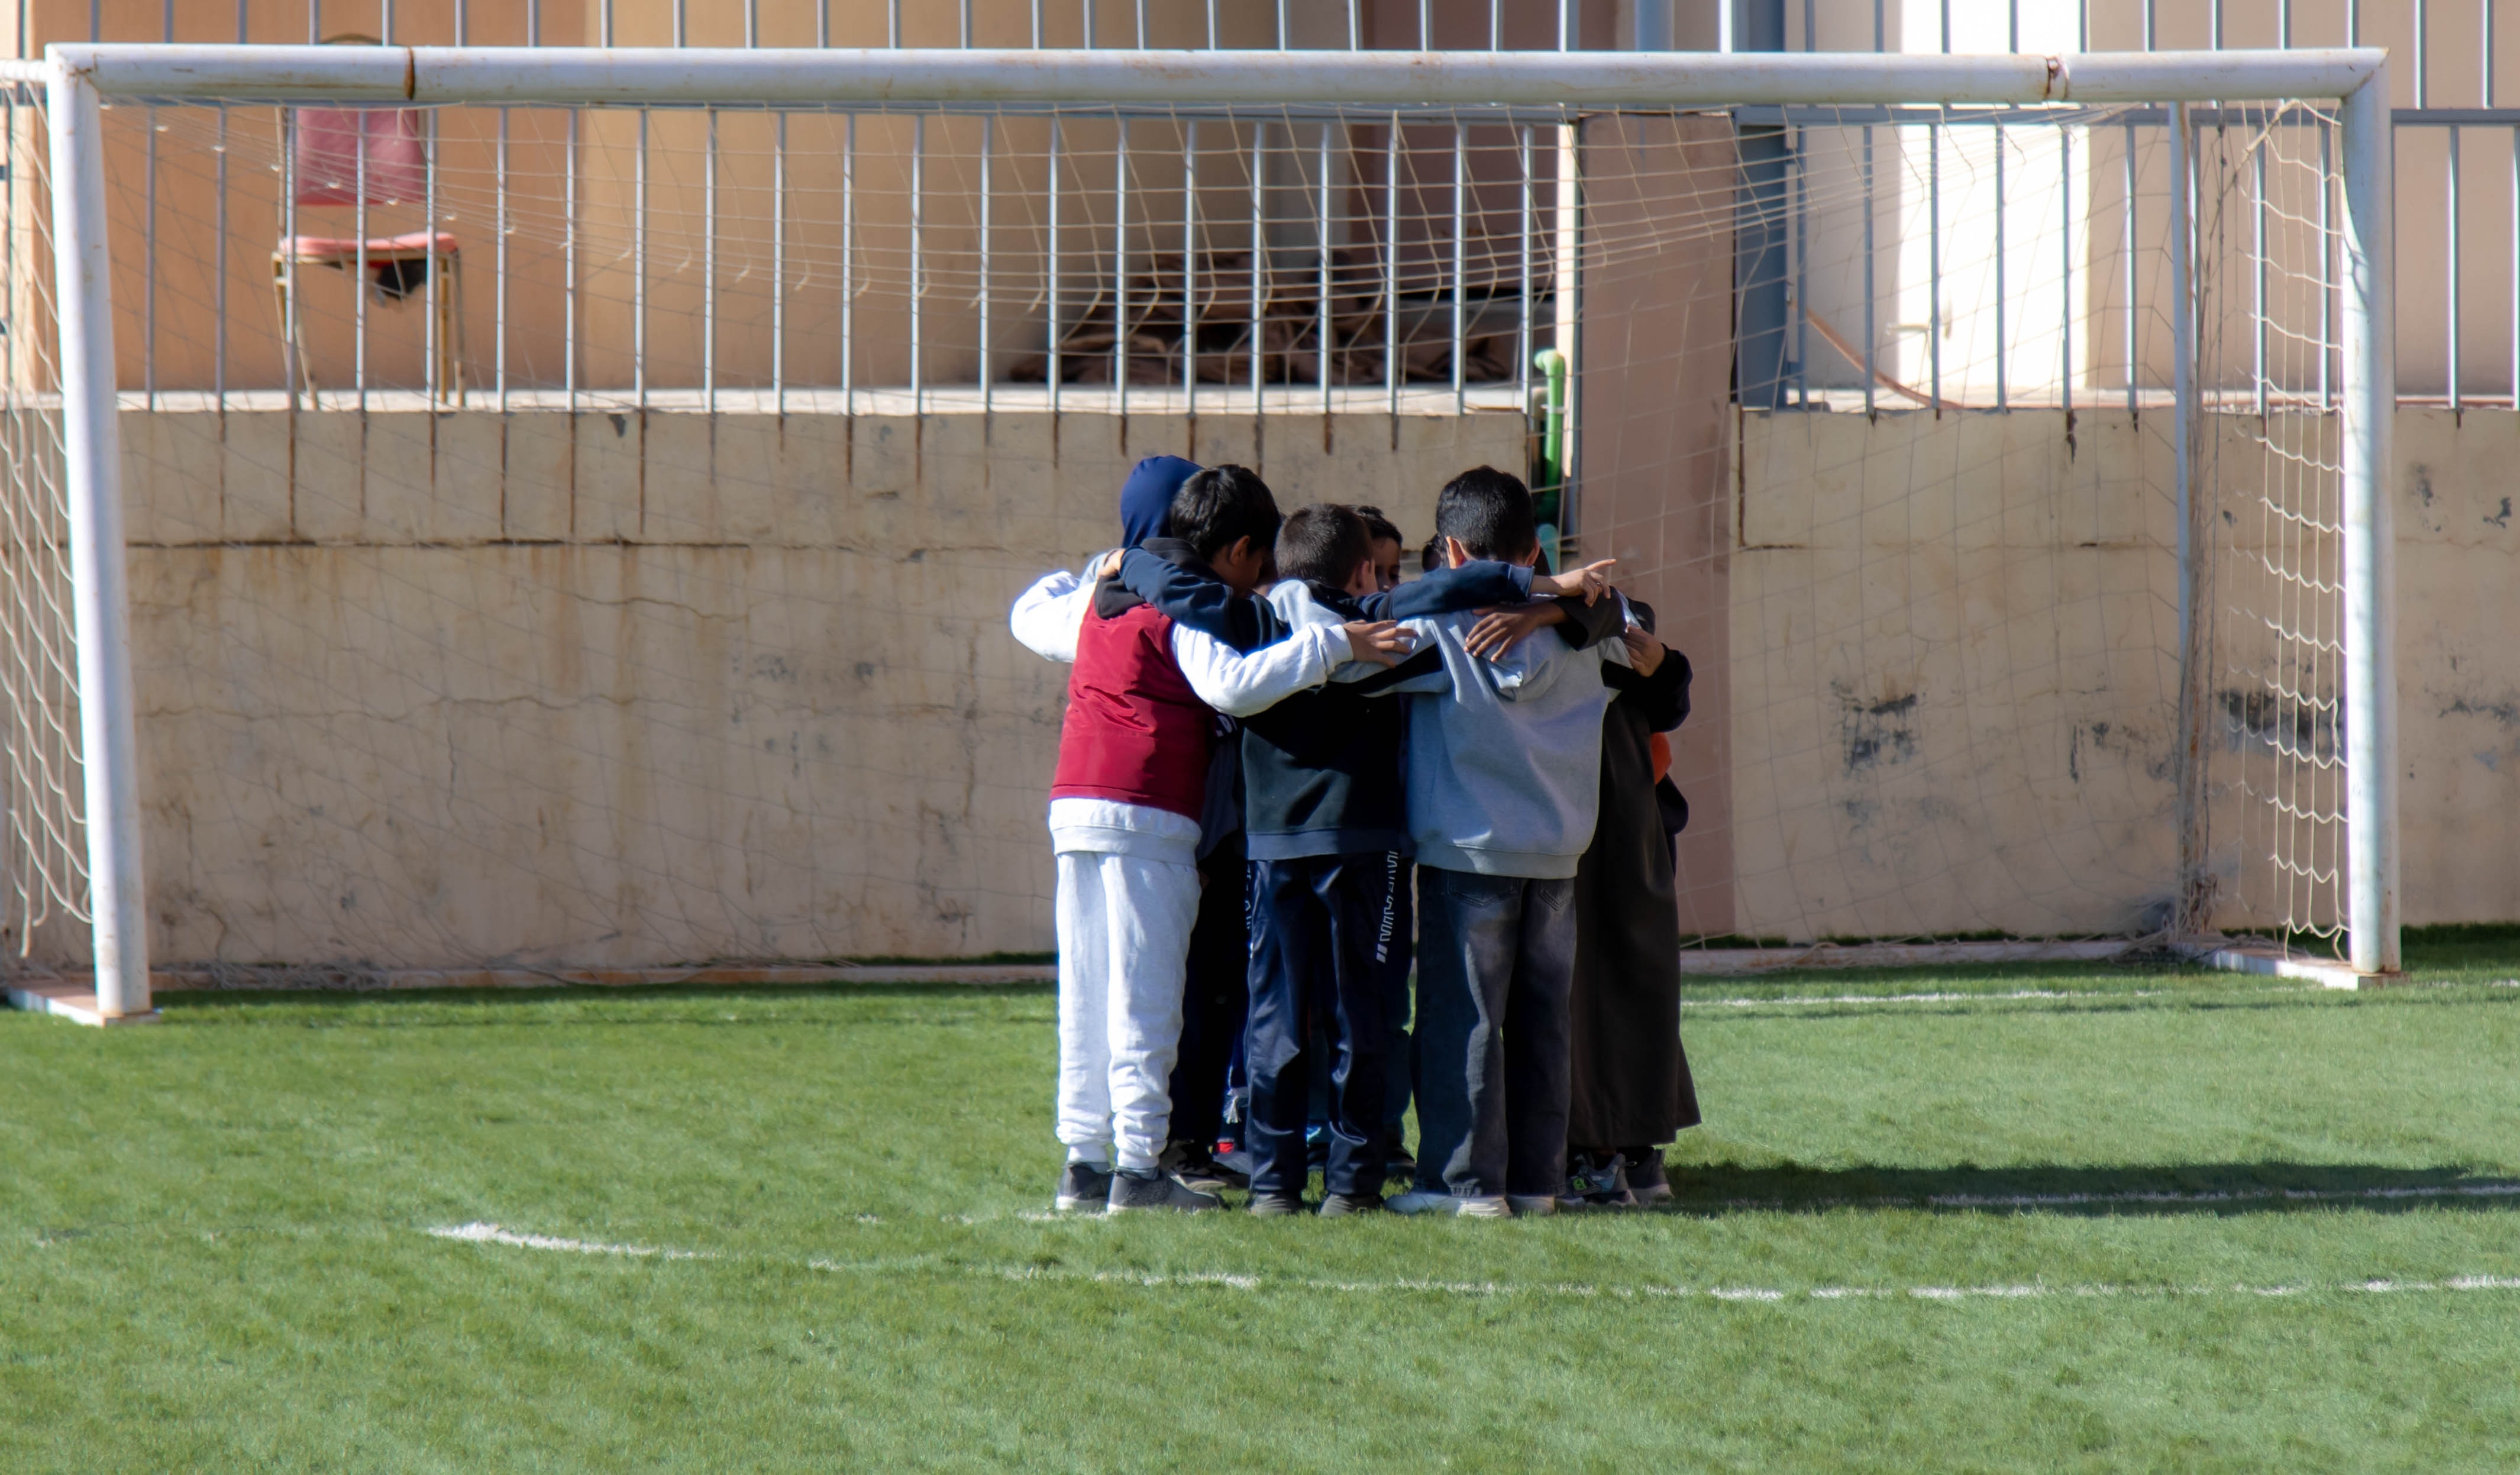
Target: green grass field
2135,1220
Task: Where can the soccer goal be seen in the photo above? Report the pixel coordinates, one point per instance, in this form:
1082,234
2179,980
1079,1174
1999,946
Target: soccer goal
509,513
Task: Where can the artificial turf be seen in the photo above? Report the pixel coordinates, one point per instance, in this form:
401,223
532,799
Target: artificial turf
2130,1221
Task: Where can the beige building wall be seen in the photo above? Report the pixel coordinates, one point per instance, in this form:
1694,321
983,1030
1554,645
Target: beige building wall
450,689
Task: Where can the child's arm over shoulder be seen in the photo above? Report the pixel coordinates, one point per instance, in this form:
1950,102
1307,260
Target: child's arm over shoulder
1240,683
1046,616
1196,600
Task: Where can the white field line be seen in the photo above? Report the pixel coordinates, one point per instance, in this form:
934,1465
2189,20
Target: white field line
491,1234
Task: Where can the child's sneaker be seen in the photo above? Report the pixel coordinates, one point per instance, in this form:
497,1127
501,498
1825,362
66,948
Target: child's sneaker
1532,1205
1083,1188
1420,1201
1277,1205
1153,1189
1194,1164
1346,1205
1646,1180
1597,1182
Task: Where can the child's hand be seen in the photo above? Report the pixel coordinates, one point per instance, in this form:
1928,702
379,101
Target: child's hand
1109,567
1591,581
1381,642
1497,629
1644,652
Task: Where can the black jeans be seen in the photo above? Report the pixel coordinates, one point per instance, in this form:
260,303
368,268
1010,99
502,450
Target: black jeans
1495,960
1315,926
1213,1001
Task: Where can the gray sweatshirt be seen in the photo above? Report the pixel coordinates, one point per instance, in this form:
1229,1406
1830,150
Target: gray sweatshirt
1505,757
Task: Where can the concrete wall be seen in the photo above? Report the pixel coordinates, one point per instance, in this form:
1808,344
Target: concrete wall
437,690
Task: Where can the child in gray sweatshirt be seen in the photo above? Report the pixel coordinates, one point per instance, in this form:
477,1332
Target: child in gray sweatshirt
1505,751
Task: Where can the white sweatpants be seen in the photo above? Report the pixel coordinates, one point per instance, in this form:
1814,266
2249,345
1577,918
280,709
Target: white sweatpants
1124,924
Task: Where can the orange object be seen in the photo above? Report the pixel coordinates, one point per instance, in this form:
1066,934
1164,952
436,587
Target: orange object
1661,749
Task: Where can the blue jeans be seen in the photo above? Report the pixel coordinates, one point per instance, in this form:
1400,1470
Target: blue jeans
1315,926
1495,962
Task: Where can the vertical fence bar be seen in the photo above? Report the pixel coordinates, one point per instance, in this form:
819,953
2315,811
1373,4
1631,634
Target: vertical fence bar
1523,348
779,266
988,148
1321,328
849,267
219,266
639,268
1120,268
2065,254
2515,265
2449,329
1259,256
1058,328
1190,267
2327,264
709,268
569,304
1461,263
2423,57
2258,272
101,608
1802,252
918,262
2002,400
430,349
2370,688
499,270
359,277
1934,253
1392,267
2128,252
149,259
1872,291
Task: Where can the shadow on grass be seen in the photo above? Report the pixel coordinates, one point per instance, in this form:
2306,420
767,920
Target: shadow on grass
2171,1189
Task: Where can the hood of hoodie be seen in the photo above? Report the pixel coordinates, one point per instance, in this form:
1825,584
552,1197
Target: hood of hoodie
1147,495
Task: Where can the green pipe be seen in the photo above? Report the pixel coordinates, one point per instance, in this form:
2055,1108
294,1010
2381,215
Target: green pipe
1552,440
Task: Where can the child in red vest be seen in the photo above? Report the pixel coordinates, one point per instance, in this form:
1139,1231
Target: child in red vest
1124,820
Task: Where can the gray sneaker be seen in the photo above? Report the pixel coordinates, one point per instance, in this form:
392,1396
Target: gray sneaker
1276,1205
1148,1188
1083,1188
1344,1205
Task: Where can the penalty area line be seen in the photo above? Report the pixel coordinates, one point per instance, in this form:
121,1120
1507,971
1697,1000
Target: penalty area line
1257,1281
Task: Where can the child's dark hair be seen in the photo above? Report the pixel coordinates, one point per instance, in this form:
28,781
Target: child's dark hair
1323,544
1220,505
1381,528
1431,556
1490,511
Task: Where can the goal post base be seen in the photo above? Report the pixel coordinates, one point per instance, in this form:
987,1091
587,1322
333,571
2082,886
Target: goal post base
2267,959
74,1002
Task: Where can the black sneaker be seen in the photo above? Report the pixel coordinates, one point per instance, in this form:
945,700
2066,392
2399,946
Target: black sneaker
1597,1182
1083,1188
1647,1179
1191,1164
1152,1188
1277,1205
1346,1205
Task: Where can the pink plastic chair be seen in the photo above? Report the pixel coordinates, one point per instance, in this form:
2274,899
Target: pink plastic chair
337,150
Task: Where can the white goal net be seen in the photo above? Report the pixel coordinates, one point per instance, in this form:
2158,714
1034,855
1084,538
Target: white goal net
579,537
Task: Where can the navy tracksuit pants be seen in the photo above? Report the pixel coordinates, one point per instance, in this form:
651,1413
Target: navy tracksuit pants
1322,930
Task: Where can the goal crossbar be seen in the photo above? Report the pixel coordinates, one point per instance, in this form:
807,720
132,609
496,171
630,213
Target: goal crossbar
78,79
695,76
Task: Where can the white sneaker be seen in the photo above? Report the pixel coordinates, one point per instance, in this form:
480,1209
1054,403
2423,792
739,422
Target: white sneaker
1420,1201
1527,1205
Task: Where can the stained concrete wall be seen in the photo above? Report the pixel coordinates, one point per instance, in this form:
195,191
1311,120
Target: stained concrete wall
435,691
1954,669
427,690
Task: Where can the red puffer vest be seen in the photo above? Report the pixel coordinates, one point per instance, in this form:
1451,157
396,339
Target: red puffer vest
1134,733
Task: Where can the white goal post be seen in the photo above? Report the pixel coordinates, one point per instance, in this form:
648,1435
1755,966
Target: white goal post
80,78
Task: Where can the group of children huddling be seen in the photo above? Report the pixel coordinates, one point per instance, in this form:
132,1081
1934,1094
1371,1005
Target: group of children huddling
1265,733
